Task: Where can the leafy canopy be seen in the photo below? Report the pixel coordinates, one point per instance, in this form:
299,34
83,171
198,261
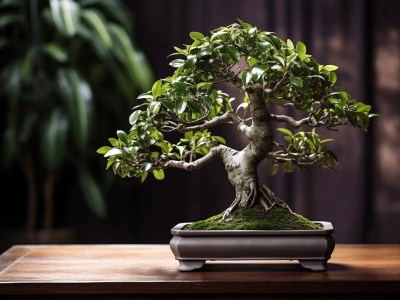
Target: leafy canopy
189,102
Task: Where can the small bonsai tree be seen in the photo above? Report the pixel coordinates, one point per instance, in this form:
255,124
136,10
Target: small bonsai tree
267,71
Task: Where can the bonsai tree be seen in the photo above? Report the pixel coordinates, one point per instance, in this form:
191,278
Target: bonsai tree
268,72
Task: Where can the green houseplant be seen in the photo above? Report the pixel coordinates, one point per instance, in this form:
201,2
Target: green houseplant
65,65
268,72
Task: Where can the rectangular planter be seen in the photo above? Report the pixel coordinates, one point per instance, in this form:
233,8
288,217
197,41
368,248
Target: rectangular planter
312,248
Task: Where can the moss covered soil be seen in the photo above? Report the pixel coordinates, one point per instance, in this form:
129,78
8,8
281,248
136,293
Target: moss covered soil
277,218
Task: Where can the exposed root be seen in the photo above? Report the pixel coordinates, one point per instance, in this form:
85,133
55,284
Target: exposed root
255,194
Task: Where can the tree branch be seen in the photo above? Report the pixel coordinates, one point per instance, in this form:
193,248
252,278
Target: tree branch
292,122
197,164
228,117
278,85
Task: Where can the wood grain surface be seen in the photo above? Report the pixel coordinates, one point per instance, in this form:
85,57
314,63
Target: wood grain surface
129,270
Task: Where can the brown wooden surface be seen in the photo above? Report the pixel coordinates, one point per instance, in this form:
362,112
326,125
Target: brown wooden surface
152,270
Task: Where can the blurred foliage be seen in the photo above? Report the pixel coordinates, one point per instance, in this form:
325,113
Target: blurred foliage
69,68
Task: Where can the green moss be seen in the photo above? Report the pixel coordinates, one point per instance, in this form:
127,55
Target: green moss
277,218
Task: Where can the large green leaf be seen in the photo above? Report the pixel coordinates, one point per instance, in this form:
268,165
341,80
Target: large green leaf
55,51
132,59
66,16
113,9
97,23
54,140
92,193
78,96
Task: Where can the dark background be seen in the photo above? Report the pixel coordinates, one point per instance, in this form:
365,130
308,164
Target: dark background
361,198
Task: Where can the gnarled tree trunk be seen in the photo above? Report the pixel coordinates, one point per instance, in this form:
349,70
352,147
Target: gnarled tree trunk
241,166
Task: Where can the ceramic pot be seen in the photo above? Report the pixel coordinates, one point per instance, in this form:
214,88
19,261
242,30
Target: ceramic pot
312,248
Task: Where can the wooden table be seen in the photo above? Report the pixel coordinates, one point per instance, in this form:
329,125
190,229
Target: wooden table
150,271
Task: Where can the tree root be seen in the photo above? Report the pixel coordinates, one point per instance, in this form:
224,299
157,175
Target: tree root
255,194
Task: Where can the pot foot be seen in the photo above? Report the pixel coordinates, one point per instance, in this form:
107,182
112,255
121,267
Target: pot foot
190,265
315,265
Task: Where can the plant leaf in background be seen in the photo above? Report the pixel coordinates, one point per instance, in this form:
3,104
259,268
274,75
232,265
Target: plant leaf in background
66,16
54,140
78,96
93,194
69,69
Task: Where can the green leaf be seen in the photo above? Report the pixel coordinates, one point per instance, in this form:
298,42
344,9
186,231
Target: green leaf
179,86
113,142
331,67
143,176
132,59
177,63
145,96
285,131
181,104
194,106
219,139
93,195
55,51
123,136
264,46
291,58
78,96
113,152
103,150
98,24
153,108
273,170
233,53
280,59
251,61
332,77
258,71
290,44
165,146
146,167
168,104
246,77
156,88
66,16
206,85
134,117
275,40
297,81
159,174
191,60
196,35
288,167
301,48
54,140
181,51
244,24
110,162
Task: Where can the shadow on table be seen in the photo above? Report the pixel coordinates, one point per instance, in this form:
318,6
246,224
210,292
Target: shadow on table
265,267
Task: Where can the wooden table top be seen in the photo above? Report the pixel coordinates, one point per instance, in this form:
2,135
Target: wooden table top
152,269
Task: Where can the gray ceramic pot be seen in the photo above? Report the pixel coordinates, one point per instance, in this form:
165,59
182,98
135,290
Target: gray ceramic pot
312,248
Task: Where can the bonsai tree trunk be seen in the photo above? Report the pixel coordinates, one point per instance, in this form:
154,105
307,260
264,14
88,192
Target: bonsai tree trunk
241,166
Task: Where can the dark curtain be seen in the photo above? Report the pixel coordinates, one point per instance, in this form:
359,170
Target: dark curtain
361,198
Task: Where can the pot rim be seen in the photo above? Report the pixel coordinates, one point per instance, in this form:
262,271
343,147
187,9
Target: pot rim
178,230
